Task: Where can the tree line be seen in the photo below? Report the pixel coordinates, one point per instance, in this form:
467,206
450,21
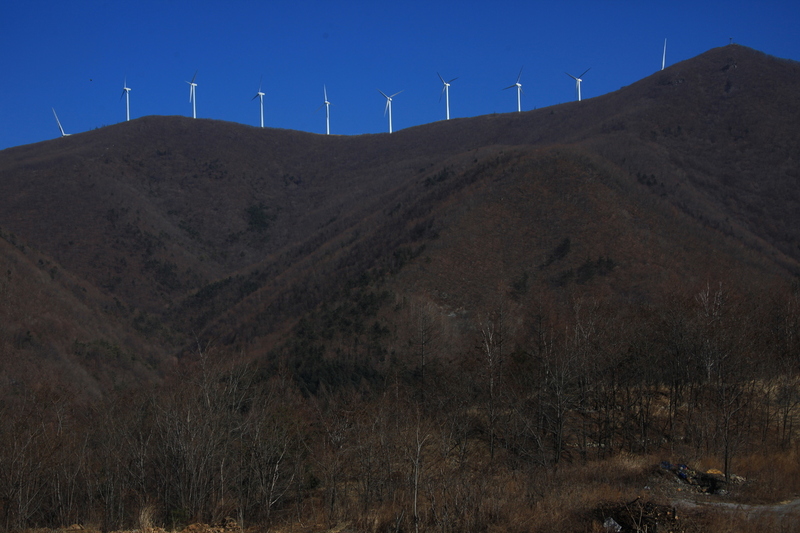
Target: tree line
452,437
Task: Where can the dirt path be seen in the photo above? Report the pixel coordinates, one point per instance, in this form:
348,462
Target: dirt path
789,510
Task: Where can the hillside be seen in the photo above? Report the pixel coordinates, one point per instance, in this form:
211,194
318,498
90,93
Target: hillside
205,226
448,328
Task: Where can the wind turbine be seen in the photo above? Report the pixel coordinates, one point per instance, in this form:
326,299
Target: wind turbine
327,105
664,55
389,106
446,92
578,81
518,85
59,124
192,94
260,96
126,93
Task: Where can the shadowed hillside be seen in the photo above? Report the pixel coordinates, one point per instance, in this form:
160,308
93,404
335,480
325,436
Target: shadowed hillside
198,227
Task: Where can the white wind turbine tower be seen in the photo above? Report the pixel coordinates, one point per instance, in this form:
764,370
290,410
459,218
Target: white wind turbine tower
664,55
327,105
578,81
388,107
59,124
518,85
446,92
126,93
260,96
192,94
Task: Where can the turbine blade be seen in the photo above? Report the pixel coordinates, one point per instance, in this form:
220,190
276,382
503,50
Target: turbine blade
454,79
59,123
510,87
440,77
585,71
325,92
520,74
571,76
195,76
384,94
395,94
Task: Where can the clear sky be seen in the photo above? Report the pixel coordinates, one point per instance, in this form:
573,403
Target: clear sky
74,56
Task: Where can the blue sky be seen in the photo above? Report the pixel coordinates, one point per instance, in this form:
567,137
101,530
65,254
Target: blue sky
74,56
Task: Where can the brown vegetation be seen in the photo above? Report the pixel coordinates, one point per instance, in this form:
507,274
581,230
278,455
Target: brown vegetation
494,324
539,438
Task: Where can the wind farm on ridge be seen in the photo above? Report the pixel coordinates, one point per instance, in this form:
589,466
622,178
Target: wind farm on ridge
445,92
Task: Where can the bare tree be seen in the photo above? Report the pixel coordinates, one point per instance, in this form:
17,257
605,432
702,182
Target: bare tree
491,346
24,463
560,365
416,457
267,456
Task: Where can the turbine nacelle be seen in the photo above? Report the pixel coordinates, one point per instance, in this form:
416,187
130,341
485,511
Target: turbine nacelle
325,101
260,95
126,93
388,100
193,94
446,93
388,108
578,80
446,83
518,86
259,92
327,104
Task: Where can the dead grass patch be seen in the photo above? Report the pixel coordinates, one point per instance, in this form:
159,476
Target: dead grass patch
769,477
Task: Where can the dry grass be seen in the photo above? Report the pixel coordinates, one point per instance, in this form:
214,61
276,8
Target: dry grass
576,490
770,477
571,495
146,514
740,522
569,498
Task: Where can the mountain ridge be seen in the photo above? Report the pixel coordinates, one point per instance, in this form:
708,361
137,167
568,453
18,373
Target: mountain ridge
209,229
